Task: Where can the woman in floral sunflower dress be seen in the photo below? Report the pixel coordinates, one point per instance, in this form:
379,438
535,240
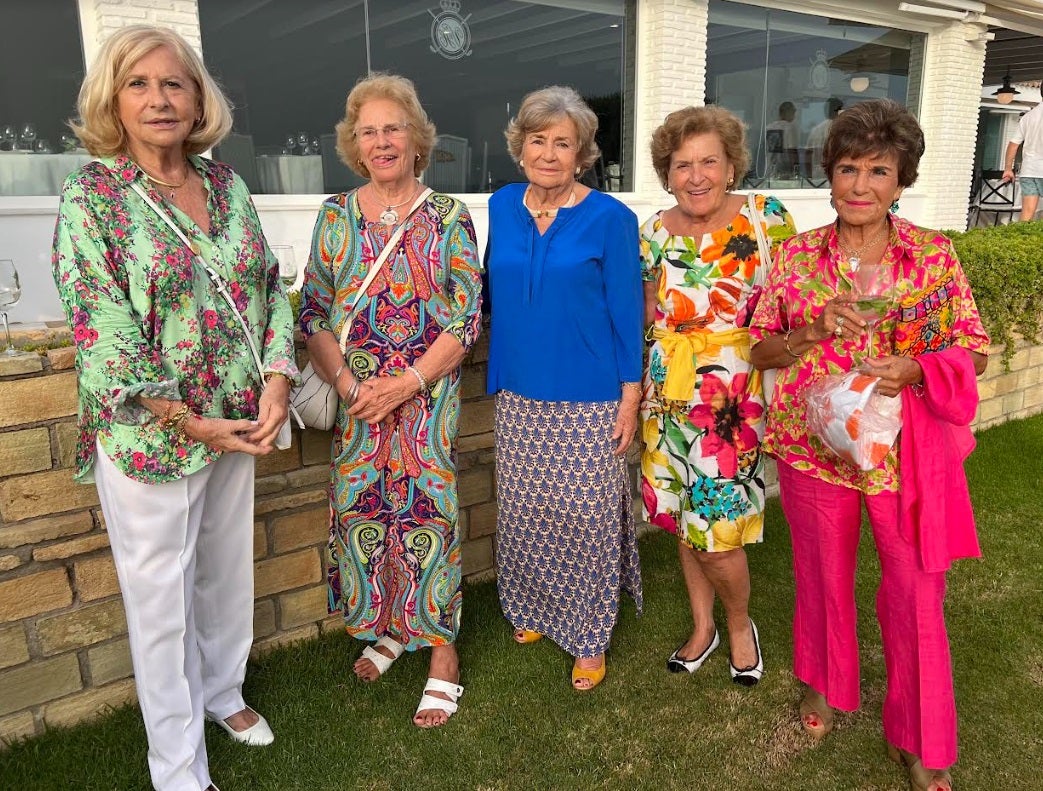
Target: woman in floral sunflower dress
702,417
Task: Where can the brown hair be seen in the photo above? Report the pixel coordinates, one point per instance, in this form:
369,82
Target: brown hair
876,127
683,124
542,108
99,127
402,92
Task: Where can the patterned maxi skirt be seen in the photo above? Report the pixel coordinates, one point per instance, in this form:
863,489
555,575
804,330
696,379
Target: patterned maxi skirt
565,535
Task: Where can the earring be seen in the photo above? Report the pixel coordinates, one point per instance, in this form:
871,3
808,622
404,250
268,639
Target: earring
669,191
894,206
418,157
730,182
577,171
831,204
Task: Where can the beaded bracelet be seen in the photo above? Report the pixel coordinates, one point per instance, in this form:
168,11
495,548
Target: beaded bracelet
419,377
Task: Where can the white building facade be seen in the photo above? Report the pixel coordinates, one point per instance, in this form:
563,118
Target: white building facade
669,51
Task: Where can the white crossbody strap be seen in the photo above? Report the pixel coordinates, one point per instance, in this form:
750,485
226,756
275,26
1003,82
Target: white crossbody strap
762,242
392,243
216,279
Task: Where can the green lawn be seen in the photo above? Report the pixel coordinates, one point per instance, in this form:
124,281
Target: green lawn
521,726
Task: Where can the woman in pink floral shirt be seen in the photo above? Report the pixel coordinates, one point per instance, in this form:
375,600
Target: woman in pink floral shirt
172,408
806,327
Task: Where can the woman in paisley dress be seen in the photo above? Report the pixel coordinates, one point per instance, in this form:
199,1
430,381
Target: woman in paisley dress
702,476
565,365
172,408
931,345
394,551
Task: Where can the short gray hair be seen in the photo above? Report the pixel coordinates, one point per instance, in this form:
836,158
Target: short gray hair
542,108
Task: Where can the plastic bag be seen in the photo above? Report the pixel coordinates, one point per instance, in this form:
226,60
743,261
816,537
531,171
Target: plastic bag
851,419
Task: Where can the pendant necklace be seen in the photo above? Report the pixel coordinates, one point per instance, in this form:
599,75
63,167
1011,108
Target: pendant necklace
172,187
854,257
389,216
550,213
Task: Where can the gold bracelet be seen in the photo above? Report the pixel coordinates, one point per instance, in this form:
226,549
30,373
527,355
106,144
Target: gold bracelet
789,349
268,376
632,386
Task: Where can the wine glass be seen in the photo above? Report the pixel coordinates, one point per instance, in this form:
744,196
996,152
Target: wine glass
289,144
10,293
874,286
303,138
287,263
8,137
27,136
68,142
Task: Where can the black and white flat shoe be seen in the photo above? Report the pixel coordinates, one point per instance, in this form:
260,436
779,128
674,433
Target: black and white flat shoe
675,664
749,676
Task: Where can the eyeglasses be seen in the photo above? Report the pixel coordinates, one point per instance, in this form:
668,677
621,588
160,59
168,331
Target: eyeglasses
390,131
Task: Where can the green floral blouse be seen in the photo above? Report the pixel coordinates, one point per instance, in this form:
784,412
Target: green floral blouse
148,323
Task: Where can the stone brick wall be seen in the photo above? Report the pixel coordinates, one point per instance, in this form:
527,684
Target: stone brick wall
63,637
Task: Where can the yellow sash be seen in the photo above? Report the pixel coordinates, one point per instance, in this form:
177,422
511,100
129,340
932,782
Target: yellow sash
682,349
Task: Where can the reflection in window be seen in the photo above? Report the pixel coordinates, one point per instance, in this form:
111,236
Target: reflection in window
787,75
42,61
288,67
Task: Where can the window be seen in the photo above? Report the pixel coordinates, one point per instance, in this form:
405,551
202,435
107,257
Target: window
42,60
288,68
787,75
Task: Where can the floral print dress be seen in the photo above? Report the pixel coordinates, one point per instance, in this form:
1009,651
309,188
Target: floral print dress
703,411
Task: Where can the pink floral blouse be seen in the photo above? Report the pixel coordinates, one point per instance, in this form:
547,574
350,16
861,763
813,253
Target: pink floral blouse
933,308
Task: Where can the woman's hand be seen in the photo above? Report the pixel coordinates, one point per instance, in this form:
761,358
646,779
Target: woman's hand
225,435
379,396
272,410
838,319
625,427
895,373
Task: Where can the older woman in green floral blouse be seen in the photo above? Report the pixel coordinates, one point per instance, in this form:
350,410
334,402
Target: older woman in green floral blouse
172,407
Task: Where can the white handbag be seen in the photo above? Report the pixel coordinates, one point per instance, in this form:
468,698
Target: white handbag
315,399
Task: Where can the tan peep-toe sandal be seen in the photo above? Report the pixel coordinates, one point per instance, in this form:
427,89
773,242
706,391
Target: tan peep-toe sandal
920,778
816,716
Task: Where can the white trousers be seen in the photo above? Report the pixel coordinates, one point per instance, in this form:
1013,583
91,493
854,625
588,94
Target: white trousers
184,558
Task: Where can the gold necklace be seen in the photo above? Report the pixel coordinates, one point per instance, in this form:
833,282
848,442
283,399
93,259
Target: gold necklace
854,257
550,213
173,187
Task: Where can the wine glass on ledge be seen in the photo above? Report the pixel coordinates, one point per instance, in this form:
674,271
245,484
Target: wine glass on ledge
10,293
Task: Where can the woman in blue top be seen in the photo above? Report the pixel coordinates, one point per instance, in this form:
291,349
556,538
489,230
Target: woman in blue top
565,363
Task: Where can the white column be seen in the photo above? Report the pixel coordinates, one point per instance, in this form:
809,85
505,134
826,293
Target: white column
671,74
100,18
949,116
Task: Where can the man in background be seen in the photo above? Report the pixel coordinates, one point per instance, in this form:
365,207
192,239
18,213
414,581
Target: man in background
817,138
780,139
1029,134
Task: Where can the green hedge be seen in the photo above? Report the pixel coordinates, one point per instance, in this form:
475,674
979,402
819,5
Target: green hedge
1005,267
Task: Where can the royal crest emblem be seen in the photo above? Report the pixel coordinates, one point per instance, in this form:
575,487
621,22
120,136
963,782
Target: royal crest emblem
450,35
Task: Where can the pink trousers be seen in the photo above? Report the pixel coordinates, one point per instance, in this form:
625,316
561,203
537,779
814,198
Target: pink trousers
919,710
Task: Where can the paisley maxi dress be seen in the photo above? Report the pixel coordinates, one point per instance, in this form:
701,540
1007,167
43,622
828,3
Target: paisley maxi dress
393,560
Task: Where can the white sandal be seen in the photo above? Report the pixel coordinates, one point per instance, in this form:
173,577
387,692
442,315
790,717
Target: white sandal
381,662
431,703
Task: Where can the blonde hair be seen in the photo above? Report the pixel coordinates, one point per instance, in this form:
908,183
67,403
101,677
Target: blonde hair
542,108
99,127
689,121
402,92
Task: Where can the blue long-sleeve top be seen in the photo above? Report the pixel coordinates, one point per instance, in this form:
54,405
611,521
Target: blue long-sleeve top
567,305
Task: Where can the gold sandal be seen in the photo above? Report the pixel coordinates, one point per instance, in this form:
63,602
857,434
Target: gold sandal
816,716
594,676
525,636
920,778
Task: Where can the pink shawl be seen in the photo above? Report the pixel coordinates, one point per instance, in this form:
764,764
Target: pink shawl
936,513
